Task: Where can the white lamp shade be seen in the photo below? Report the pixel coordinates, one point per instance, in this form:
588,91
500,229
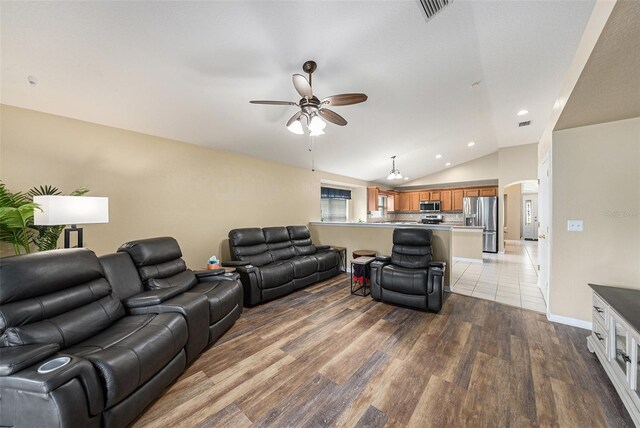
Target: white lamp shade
62,210
316,124
296,127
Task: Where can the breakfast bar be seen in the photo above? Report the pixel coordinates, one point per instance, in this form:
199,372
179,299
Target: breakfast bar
378,237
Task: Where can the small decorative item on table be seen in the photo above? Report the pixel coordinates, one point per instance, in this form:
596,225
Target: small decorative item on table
213,263
361,274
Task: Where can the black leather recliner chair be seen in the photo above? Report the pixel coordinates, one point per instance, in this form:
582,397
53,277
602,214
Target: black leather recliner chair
275,261
163,272
58,304
409,277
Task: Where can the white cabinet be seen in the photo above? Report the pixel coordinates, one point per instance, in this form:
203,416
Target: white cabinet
617,344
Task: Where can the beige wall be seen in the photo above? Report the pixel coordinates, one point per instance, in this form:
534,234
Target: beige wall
466,244
484,168
596,178
513,204
156,186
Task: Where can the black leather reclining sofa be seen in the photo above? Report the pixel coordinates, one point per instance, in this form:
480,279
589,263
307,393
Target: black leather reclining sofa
275,261
122,343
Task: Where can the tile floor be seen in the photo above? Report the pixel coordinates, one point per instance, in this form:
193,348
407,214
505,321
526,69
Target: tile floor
510,278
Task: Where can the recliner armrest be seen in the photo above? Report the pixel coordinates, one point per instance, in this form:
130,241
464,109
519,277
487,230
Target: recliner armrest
386,259
441,265
229,276
201,274
15,358
236,263
195,309
152,297
323,247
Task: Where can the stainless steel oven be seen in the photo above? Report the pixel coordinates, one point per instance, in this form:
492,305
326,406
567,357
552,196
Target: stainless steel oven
430,206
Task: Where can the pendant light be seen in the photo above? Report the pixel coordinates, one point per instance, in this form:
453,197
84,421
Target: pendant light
394,174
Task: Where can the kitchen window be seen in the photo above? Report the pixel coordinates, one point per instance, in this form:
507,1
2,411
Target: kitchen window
334,204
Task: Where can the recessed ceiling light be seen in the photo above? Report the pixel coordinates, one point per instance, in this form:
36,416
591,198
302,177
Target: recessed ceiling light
523,112
438,156
406,178
471,143
447,164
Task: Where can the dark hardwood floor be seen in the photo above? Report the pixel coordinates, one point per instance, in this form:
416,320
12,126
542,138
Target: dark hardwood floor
321,357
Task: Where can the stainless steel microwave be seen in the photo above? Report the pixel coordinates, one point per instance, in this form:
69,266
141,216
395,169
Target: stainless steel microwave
430,206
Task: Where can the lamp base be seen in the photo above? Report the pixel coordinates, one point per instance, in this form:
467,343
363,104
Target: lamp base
67,236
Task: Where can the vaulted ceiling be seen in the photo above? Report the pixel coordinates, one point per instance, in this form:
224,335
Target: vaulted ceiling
186,71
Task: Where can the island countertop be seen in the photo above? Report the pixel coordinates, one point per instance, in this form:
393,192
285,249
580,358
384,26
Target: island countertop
396,225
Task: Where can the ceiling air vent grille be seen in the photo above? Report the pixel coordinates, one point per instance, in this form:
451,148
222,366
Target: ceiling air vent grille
430,8
526,123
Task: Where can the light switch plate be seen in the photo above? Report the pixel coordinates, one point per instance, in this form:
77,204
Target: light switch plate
575,225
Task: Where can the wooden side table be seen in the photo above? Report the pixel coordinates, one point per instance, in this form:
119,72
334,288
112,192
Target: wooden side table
363,253
361,276
342,253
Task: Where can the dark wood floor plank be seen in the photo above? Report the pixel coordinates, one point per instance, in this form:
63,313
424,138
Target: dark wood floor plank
487,399
439,405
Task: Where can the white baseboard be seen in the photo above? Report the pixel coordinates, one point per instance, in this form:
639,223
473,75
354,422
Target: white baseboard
574,322
466,260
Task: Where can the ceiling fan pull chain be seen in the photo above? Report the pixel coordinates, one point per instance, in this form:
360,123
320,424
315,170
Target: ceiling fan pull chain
313,154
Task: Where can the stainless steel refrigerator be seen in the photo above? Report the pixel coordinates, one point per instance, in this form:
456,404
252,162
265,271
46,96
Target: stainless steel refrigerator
483,211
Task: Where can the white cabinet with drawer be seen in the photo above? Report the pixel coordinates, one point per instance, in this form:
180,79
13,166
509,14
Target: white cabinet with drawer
615,339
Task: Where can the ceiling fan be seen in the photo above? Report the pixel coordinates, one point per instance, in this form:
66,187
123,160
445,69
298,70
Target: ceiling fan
312,109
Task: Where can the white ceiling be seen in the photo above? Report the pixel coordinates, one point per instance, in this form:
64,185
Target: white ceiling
186,70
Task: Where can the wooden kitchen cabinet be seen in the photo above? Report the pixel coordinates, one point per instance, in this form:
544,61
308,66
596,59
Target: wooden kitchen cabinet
403,201
425,196
456,196
445,200
372,198
414,204
470,193
436,195
489,191
391,201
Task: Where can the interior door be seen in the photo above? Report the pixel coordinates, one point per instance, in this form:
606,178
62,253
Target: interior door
544,229
530,217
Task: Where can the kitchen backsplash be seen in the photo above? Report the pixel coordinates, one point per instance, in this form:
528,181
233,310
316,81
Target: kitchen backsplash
376,216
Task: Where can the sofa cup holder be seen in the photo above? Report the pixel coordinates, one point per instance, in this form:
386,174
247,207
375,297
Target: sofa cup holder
54,364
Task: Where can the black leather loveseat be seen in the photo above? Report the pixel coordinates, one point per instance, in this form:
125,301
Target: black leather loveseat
409,277
274,261
122,341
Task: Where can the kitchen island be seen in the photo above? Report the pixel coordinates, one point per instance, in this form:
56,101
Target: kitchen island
466,242
379,237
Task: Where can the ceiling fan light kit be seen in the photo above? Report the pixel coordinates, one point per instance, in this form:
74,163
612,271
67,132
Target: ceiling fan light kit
313,109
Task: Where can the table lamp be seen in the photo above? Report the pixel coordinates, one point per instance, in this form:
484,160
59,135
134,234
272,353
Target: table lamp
73,210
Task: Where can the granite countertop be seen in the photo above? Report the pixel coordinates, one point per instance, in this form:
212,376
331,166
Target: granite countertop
624,301
381,225
442,226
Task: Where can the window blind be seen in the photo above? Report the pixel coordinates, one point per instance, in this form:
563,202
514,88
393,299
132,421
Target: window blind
331,193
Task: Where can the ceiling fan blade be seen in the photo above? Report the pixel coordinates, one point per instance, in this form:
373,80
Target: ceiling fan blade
276,103
302,85
344,99
332,116
294,118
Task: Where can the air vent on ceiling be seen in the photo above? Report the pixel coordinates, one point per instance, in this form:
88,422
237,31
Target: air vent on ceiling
430,8
526,123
